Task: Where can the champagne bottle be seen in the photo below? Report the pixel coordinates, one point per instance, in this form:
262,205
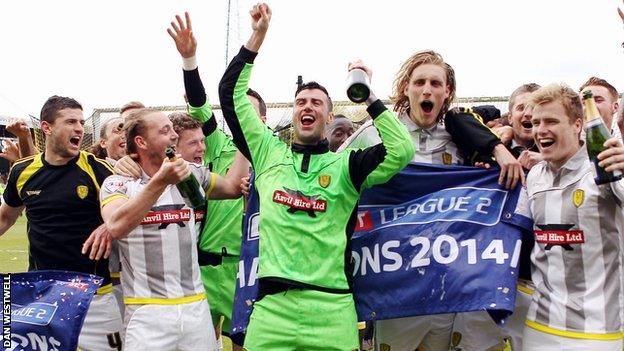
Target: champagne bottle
358,86
596,135
189,187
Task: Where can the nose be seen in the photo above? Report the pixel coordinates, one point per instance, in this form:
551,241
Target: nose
427,89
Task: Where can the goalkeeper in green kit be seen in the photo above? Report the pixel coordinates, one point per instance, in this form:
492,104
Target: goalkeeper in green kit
308,206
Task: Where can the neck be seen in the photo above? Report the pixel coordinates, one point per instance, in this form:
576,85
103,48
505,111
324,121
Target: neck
54,158
556,165
526,143
420,122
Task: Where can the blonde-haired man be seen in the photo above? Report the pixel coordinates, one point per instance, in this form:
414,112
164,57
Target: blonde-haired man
577,260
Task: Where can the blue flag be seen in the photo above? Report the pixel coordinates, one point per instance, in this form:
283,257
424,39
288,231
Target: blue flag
48,308
434,239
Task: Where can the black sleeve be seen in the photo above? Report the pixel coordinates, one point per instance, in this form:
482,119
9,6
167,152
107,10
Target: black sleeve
363,162
226,97
209,126
11,196
469,133
194,88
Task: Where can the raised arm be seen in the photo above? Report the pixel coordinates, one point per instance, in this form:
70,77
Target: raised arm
229,187
19,128
377,164
250,136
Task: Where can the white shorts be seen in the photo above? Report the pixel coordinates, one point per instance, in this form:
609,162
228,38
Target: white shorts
118,292
433,333
102,326
477,330
535,340
169,327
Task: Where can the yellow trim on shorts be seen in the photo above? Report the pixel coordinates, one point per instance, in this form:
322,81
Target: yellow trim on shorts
164,301
574,335
361,325
111,198
106,289
115,274
213,182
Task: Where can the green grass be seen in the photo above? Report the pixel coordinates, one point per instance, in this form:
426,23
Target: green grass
14,248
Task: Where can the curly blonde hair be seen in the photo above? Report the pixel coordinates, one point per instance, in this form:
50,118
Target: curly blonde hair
400,100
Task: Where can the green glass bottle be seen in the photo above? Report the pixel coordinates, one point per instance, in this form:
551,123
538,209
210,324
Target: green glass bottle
189,187
358,86
596,134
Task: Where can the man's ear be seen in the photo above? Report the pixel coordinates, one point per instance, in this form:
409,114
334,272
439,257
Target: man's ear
140,142
330,118
46,127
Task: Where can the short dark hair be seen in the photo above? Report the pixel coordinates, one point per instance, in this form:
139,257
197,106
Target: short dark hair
603,83
56,103
263,106
182,121
314,85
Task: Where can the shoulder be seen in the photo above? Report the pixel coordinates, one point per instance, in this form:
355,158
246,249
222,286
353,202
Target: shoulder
535,174
20,165
117,183
95,162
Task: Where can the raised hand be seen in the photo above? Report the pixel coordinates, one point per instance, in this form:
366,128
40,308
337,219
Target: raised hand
621,13
260,17
182,34
10,151
18,127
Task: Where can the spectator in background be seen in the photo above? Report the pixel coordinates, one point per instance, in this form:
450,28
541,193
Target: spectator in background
112,143
338,131
128,108
606,97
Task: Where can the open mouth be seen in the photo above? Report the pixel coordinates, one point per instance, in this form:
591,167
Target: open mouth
526,125
546,143
426,106
307,120
75,141
197,160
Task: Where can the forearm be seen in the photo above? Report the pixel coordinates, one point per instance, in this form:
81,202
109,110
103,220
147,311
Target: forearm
8,217
123,219
470,134
255,41
27,146
248,132
193,86
229,187
395,139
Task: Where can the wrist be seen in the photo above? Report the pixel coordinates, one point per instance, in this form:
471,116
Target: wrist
189,63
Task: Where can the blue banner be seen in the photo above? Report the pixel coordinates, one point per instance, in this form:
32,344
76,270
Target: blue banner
434,239
48,308
247,278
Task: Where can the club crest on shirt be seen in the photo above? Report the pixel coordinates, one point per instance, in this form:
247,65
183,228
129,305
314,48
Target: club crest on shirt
324,180
82,191
447,158
578,196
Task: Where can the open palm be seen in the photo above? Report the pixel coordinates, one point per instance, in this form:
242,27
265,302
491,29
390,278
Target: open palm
182,34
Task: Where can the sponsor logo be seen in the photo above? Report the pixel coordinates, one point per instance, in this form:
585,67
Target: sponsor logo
578,196
364,221
82,191
300,202
447,158
33,192
115,186
78,286
167,214
559,235
324,180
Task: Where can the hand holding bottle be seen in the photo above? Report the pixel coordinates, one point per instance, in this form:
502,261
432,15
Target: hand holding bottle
173,171
612,158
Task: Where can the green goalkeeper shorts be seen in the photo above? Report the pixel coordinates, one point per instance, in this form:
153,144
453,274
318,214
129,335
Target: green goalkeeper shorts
220,284
303,320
